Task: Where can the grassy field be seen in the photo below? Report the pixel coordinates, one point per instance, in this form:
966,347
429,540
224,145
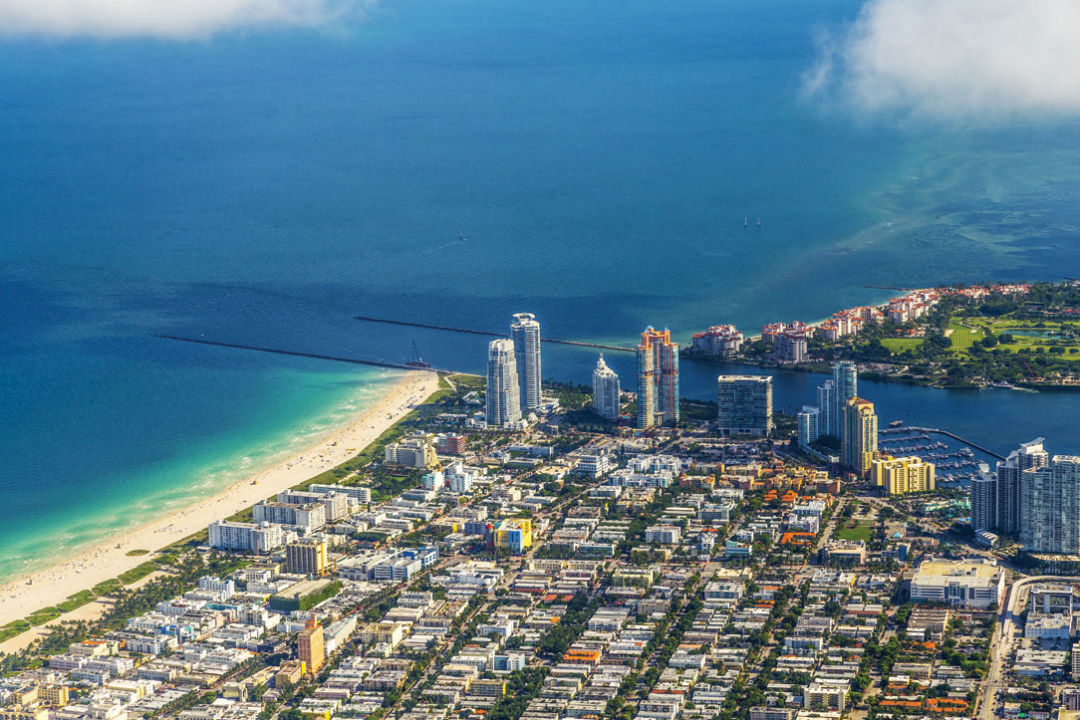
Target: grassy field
77,600
964,337
859,532
899,345
137,573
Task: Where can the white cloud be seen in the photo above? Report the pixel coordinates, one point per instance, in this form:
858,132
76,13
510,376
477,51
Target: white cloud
954,59
167,18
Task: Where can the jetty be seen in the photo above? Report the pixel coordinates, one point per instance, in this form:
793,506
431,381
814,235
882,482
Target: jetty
298,353
487,333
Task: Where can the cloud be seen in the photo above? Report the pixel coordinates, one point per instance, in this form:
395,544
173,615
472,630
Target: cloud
178,19
954,59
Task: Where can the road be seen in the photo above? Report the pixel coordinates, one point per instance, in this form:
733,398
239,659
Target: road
1008,624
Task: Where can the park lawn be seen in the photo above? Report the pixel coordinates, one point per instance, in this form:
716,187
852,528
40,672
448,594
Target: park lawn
108,587
83,597
137,573
859,532
12,629
899,345
44,615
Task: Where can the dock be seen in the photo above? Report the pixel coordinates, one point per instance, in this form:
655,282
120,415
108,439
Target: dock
959,439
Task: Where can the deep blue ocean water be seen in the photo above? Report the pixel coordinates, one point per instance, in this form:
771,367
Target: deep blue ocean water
597,158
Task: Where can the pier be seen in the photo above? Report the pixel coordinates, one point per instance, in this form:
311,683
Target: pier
485,333
297,353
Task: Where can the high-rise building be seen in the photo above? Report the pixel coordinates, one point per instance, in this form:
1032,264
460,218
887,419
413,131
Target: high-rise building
826,402
858,442
503,390
809,425
845,386
257,538
984,500
658,379
791,347
309,646
744,405
605,390
525,332
902,475
1028,456
1050,507
306,557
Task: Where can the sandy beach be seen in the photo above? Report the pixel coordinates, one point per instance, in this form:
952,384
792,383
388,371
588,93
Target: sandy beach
20,597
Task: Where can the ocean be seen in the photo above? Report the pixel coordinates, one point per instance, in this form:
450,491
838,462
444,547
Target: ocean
453,163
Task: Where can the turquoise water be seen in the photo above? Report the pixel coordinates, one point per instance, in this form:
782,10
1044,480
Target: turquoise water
599,160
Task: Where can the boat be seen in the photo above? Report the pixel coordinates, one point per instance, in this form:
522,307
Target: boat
417,361
896,423
746,222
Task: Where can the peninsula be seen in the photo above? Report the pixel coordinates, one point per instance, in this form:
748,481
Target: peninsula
1021,336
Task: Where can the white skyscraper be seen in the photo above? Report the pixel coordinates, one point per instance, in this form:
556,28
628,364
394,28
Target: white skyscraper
1030,455
605,390
525,332
828,422
984,494
845,387
809,420
1050,507
503,403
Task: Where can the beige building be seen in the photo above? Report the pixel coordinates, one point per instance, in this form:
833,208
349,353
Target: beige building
414,451
858,441
898,476
309,647
307,557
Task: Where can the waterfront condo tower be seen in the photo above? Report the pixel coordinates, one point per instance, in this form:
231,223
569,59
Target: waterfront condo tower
858,446
827,423
744,405
983,495
503,391
1050,507
525,332
658,379
1029,456
845,386
809,425
605,390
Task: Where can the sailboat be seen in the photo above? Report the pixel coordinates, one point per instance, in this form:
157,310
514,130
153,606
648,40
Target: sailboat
746,222
759,222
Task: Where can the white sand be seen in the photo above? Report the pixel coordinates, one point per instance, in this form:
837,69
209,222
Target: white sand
19,598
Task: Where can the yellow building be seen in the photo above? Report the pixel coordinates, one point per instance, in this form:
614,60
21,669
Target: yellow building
53,695
860,433
514,535
898,476
307,557
309,646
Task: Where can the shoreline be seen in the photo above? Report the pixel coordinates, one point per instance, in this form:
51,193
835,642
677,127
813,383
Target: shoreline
23,595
